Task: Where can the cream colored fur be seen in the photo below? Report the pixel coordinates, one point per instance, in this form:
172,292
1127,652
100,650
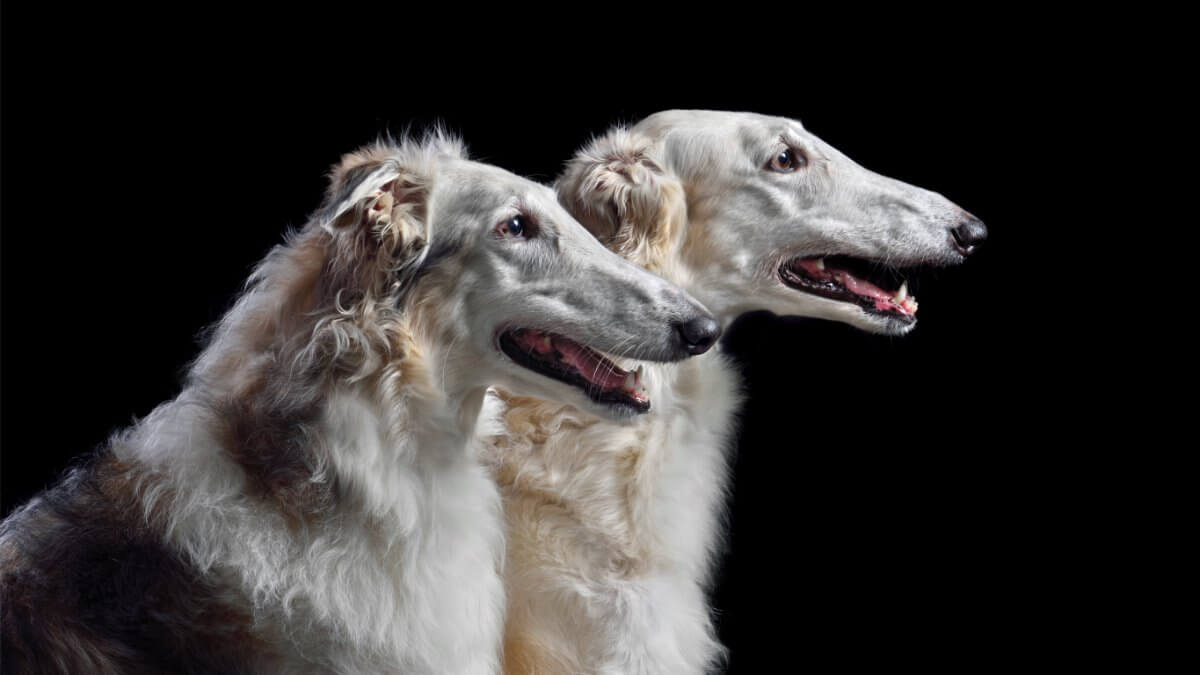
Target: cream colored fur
612,529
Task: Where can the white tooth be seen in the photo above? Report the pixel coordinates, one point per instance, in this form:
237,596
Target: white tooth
902,294
629,381
546,342
637,374
821,264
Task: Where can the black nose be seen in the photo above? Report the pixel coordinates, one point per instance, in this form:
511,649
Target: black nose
969,234
699,334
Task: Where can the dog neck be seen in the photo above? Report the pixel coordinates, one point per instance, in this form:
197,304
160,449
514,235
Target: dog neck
313,490
284,379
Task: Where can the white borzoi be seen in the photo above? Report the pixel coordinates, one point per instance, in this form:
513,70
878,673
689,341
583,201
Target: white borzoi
612,529
313,500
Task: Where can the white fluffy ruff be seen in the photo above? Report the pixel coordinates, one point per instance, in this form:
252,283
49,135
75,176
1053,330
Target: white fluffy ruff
409,577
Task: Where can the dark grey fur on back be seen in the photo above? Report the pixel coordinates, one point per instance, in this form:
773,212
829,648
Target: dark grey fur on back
86,586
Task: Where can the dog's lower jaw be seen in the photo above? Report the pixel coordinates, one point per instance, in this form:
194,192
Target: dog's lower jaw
887,325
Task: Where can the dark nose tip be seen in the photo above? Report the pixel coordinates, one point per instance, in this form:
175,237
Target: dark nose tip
699,334
969,234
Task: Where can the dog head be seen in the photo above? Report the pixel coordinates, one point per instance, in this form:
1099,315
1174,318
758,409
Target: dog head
511,289
756,213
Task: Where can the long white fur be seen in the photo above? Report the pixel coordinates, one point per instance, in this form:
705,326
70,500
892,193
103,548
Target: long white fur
613,529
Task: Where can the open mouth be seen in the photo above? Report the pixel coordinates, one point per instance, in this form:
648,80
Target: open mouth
565,360
877,288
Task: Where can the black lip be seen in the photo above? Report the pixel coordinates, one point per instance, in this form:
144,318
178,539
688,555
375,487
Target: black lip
508,345
835,291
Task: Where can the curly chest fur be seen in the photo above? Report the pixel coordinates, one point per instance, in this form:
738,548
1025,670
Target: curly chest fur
611,527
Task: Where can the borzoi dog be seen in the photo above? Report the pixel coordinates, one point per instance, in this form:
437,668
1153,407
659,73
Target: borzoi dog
313,499
612,529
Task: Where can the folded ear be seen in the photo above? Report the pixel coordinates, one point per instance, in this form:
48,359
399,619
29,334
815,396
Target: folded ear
620,192
377,214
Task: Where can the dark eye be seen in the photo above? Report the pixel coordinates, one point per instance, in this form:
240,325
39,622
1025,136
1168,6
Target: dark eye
787,161
517,226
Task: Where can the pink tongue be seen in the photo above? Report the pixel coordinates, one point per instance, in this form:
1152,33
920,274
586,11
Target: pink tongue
606,376
860,287
883,299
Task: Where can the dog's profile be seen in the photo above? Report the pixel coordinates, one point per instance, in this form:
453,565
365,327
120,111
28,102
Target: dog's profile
313,501
612,529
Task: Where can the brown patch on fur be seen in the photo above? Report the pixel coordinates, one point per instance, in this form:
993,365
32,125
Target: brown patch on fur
652,228
269,438
530,417
88,584
263,418
334,318
124,485
626,199
524,655
385,233
545,520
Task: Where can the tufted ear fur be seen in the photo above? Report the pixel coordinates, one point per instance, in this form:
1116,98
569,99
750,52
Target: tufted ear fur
620,192
377,213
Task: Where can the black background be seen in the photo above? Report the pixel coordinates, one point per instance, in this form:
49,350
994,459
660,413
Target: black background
877,516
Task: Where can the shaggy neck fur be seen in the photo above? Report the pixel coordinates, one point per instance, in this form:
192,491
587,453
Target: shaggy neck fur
612,527
319,465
